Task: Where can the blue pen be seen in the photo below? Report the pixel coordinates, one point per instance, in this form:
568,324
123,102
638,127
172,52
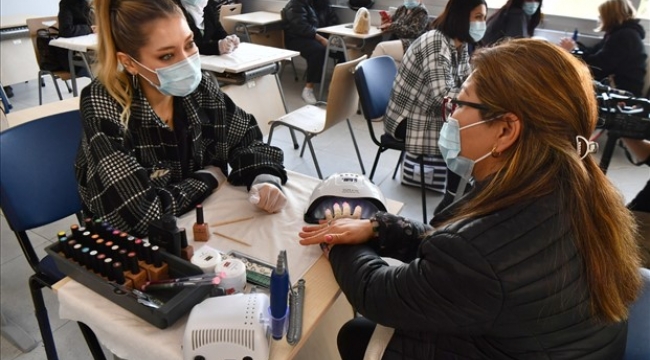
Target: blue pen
279,296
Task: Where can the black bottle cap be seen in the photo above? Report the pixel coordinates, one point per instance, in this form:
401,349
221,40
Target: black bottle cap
199,214
183,238
132,263
169,222
155,256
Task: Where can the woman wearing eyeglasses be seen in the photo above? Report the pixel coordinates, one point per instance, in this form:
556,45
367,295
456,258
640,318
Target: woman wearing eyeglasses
434,66
538,261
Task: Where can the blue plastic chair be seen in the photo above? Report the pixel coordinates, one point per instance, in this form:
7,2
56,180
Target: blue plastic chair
374,78
38,187
638,331
6,104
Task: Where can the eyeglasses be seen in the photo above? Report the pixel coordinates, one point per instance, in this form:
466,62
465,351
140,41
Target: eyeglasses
450,105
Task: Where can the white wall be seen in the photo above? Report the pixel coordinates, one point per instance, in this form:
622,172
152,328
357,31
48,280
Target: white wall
29,7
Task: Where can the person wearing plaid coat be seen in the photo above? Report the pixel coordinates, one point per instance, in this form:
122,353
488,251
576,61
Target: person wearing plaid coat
434,67
406,25
132,176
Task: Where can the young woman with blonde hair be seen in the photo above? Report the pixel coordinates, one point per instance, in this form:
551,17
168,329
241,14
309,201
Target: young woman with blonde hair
620,56
537,261
159,136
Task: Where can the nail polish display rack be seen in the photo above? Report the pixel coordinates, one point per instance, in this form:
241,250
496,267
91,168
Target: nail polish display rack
160,308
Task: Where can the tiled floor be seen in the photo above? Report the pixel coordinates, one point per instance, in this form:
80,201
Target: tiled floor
335,154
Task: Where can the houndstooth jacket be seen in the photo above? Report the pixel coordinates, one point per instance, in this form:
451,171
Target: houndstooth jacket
132,177
432,68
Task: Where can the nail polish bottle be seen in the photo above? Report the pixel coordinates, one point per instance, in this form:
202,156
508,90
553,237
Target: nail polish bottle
201,229
137,275
187,251
158,270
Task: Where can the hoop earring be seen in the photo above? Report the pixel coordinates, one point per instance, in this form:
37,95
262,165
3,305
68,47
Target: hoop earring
494,152
135,82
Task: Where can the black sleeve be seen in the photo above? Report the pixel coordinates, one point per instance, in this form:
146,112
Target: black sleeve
450,287
69,24
607,55
296,23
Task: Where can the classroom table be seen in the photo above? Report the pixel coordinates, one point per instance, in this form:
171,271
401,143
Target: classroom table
336,42
130,337
252,69
78,45
260,21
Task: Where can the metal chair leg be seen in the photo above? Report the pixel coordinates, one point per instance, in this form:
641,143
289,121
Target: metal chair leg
374,164
313,156
399,162
36,286
56,86
40,87
356,147
93,344
424,190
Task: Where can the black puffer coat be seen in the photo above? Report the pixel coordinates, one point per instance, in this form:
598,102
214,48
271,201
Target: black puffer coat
74,18
301,18
621,53
508,285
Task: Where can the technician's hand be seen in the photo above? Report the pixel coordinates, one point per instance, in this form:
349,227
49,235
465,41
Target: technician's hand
340,231
234,40
266,193
567,44
342,212
225,46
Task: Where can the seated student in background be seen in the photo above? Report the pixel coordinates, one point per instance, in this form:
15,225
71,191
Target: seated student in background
538,261
75,18
516,19
621,54
301,18
407,24
158,134
209,35
434,67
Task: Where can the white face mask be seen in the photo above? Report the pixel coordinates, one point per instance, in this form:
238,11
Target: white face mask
449,144
530,7
410,4
477,30
179,79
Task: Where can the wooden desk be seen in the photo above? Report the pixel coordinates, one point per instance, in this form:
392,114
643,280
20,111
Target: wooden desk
17,58
258,22
130,337
261,96
336,42
77,45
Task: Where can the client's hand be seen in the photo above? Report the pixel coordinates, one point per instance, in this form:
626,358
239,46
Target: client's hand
339,231
266,193
344,212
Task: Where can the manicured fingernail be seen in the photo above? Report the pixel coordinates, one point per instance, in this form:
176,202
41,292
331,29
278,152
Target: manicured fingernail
328,238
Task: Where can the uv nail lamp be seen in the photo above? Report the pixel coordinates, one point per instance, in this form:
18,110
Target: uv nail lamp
228,328
355,189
